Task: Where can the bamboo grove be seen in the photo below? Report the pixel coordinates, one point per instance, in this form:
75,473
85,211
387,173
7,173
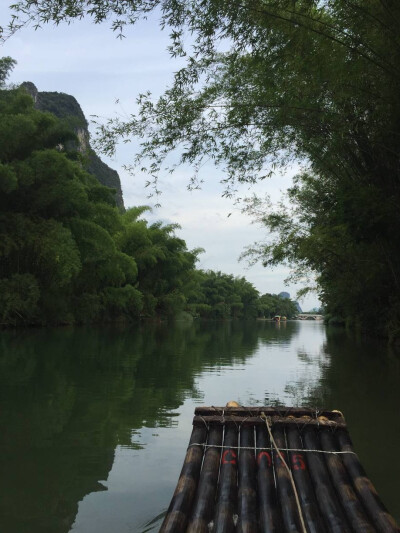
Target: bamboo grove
269,83
69,255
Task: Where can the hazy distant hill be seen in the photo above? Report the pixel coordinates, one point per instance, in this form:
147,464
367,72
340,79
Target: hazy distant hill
66,107
287,295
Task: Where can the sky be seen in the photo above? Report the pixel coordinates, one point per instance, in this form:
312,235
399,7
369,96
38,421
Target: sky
105,75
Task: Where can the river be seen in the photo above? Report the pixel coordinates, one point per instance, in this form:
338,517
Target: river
94,422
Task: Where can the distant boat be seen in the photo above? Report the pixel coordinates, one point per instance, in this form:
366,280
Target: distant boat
283,318
277,318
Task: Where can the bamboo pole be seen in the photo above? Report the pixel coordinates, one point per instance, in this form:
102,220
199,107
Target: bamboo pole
290,513
203,507
311,514
227,491
268,411
355,513
181,503
328,503
269,513
258,421
365,490
247,508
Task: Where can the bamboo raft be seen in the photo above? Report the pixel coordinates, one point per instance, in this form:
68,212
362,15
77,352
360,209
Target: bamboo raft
273,470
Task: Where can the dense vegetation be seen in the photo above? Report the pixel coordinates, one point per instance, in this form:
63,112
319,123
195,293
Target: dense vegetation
68,254
67,109
224,296
310,81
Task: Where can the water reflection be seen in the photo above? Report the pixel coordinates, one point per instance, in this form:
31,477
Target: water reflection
362,377
70,397
97,420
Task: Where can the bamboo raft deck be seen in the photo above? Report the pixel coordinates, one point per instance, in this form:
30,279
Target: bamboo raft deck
273,470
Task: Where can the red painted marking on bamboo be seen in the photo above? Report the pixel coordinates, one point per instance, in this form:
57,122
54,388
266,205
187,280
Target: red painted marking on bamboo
268,457
298,462
229,457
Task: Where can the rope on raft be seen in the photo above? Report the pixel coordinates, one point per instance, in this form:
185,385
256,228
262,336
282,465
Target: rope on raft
264,417
269,448
299,510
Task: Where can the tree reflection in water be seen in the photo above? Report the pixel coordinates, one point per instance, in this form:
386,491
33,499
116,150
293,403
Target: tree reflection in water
70,396
72,399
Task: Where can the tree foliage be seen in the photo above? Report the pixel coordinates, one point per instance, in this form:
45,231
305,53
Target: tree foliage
271,305
269,82
296,79
224,296
6,65
67,253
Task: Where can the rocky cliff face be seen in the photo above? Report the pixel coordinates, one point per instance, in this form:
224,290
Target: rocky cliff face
66,107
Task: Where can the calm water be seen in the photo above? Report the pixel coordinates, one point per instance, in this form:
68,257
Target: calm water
94,423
